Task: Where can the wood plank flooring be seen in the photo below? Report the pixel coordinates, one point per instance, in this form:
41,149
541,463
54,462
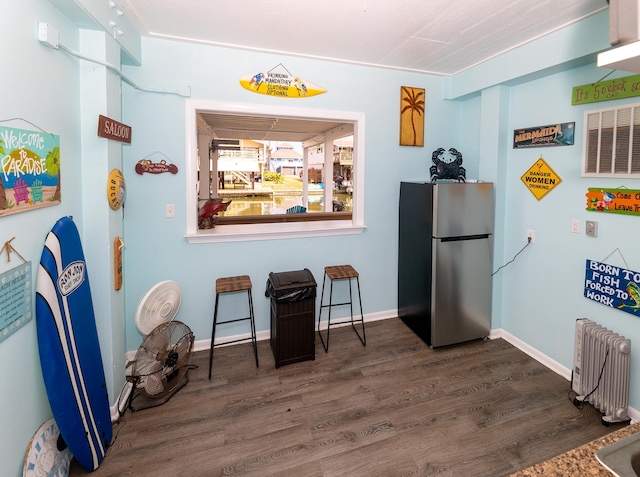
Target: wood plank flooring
392,408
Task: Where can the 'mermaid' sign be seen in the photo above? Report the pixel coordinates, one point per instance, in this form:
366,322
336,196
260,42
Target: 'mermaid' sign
552,135
612,286
279,82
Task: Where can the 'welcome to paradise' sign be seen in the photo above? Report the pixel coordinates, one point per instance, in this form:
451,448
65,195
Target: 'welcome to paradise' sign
626,87
29,170
554,135
612,286
614,201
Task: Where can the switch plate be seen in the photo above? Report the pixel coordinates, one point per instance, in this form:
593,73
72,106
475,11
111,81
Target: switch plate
575,226
591,228
170,210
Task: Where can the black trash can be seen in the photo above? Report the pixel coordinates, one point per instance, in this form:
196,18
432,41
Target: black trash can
293,304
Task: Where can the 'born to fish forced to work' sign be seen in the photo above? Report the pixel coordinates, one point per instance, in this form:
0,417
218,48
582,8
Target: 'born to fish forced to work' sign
612,286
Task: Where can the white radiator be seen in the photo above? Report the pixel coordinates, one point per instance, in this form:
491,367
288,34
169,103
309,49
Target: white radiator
601,369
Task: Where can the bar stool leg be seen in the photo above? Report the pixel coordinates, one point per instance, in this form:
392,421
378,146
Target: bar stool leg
325,346
363,338
253,327
351,300
213,333
329,318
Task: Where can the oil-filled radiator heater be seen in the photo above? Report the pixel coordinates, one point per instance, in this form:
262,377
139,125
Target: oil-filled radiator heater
601,370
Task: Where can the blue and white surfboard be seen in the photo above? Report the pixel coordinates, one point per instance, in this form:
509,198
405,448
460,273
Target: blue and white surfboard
69,348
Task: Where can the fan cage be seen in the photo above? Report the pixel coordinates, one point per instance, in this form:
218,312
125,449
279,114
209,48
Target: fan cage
162,362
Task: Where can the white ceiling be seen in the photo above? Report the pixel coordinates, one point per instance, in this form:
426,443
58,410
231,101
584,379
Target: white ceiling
434,36
441,37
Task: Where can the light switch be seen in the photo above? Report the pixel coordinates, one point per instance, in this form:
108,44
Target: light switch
170,210
575,226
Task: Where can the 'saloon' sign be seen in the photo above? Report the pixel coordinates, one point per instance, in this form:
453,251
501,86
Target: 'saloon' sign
112,129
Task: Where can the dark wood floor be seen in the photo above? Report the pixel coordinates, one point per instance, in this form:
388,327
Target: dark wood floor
394,408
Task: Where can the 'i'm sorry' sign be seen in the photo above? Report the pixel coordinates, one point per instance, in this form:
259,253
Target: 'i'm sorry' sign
612,286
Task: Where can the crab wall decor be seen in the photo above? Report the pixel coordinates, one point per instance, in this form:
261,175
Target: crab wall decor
447,165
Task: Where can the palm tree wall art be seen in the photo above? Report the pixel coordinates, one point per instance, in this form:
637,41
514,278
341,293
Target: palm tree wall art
412,104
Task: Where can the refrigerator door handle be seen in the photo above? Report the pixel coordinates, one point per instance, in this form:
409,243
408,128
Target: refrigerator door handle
466,237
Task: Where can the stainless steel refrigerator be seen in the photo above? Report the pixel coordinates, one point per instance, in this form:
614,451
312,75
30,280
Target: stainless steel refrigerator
445,260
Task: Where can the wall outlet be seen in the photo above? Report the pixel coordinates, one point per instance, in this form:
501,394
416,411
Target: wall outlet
591,228
170,210
531,236
575,226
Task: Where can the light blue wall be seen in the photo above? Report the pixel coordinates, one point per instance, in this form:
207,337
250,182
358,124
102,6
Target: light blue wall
543,289
44,87
156,249
539,296
100,93
39,85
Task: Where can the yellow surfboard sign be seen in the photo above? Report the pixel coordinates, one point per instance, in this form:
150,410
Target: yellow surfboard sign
279,84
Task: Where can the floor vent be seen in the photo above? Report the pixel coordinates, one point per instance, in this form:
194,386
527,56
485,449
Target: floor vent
601,370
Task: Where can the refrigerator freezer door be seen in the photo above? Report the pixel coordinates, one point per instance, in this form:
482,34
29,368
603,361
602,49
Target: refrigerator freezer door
463,209
461,290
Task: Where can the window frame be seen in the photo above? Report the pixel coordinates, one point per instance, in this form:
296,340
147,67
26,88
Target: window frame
272,230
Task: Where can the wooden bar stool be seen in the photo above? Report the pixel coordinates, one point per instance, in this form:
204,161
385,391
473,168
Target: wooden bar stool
340,272
232,285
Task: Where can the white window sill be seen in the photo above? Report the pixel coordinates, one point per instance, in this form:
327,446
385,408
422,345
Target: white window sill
251,232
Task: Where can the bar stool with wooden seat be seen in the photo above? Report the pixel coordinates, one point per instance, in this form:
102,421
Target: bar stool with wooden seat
232,285
340,272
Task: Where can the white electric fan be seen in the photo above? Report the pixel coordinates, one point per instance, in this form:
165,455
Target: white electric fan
158,306
160,368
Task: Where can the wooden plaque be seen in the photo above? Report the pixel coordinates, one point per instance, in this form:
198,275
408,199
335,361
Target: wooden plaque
412,104
112,129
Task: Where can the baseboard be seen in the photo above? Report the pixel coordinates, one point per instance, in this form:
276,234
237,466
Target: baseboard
552,364
202,345
120,405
